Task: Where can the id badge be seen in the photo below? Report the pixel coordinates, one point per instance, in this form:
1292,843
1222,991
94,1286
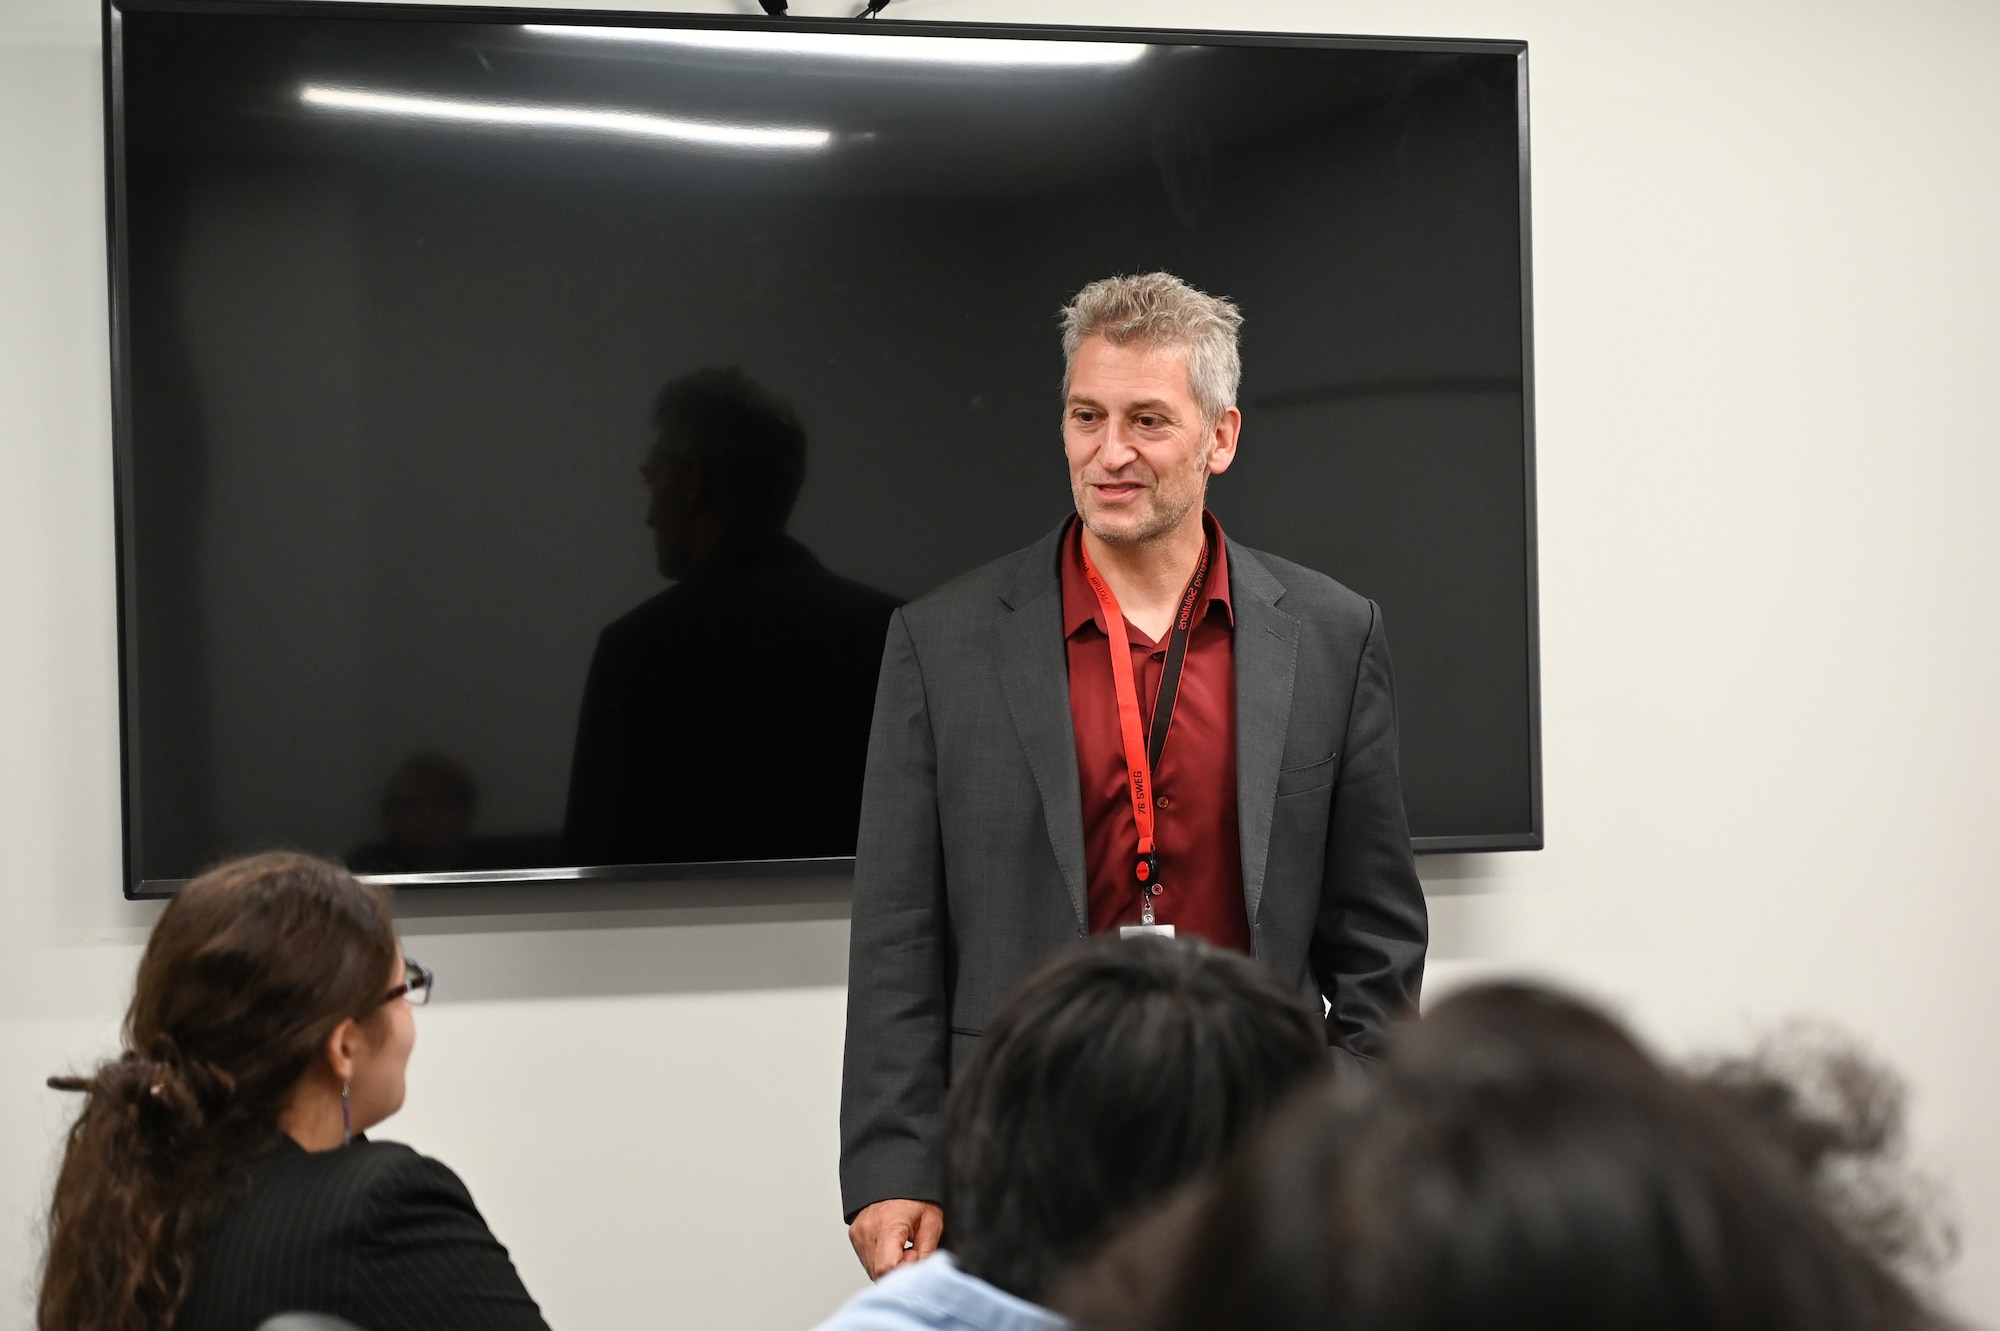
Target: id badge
1141,930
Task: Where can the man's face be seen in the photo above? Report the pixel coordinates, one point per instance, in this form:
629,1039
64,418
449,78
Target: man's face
1140,453
673,483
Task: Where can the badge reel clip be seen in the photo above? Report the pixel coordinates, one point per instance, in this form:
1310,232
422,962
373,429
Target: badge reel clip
1147,871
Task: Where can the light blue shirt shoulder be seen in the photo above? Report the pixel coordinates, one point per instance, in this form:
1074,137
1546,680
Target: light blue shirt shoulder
934,1295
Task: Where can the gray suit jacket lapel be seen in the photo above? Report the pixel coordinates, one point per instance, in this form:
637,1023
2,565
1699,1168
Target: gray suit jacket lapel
1034,673
1267,648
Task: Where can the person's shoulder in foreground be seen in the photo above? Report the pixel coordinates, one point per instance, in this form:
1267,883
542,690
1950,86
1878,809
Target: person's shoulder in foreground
935,1295
374,1231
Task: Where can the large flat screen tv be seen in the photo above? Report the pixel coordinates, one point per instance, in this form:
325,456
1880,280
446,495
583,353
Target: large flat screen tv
405,297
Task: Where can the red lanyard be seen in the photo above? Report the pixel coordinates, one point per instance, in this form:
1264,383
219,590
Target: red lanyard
1141,758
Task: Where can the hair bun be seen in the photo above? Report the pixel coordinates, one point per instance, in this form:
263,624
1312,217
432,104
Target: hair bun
160,1093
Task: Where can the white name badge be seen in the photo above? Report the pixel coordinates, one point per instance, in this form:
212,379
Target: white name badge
1141,930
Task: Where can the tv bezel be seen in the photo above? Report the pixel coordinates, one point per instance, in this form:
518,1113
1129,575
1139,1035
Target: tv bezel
138,887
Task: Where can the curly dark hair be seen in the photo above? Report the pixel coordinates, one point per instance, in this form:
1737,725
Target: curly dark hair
247,973
1519,1164
1838,1113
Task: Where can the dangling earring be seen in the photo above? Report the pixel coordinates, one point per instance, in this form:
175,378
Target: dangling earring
346,1119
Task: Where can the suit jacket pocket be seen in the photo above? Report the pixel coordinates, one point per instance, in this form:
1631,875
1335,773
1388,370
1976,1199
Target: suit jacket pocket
1299,780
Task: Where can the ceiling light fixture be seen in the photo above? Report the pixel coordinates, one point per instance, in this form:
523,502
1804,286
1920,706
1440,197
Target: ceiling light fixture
1011,52
706,133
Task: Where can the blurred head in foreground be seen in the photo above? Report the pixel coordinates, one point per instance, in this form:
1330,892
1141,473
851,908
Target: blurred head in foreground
1519,1163
1119,1071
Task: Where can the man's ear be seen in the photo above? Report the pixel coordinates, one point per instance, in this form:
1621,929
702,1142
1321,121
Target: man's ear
1222,444
343,1047
687,483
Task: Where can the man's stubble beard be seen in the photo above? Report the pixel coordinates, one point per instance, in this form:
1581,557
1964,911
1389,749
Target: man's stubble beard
1155,526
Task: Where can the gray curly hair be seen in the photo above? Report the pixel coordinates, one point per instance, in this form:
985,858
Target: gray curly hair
1160,310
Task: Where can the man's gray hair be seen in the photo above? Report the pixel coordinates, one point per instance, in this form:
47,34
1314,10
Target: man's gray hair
1160,310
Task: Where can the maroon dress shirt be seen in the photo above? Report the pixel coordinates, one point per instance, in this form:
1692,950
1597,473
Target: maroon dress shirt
1201,864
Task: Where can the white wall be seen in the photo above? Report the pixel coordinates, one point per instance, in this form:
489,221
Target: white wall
1768,306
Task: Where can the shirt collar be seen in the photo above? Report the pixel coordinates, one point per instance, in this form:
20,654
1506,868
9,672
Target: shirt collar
938,1286
1080,605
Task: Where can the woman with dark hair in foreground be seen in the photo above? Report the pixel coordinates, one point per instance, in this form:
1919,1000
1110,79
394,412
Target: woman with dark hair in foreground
1118,1071
217,1174
1518,1163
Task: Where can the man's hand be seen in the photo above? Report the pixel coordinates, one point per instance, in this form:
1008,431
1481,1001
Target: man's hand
880,1232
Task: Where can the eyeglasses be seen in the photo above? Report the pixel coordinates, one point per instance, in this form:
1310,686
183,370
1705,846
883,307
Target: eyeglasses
418,983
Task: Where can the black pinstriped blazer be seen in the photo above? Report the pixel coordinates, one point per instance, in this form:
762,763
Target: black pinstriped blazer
374,1233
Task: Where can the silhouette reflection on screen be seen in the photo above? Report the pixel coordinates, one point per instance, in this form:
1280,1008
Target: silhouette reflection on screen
426,816
727,717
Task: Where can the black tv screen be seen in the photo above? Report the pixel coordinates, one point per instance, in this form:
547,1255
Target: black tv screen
404,299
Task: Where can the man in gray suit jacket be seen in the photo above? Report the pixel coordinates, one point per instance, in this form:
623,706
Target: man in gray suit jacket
1010,799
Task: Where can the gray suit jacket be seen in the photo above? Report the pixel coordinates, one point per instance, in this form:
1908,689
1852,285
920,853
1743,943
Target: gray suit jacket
970,872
